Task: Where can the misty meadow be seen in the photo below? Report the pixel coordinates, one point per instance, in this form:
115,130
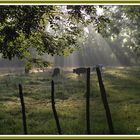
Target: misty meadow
70,69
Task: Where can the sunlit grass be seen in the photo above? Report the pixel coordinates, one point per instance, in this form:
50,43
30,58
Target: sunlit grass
123,92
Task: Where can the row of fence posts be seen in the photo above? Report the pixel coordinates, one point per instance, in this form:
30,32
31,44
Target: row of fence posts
88,128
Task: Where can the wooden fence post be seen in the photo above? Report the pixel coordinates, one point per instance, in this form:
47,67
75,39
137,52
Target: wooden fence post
54,109
23,109
88,101
104,99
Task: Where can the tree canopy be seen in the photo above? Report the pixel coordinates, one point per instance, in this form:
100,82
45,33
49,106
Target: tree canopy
59,29
125,27
24,27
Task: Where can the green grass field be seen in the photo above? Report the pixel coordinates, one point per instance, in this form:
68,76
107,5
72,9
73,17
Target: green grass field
123,92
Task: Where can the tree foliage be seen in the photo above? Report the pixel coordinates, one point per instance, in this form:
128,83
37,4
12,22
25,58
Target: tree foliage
125,26
23,27
59,29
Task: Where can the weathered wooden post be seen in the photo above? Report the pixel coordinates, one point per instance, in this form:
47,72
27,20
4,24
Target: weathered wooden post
54,109
23,109
88,101
104,99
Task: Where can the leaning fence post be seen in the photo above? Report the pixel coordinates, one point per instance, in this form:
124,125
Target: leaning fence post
23,109
54,109
104,99
88,101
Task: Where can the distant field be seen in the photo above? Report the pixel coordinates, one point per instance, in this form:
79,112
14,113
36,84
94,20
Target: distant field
123,91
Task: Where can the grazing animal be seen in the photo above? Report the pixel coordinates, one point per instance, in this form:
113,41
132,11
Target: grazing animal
80,71
98,65
56,72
